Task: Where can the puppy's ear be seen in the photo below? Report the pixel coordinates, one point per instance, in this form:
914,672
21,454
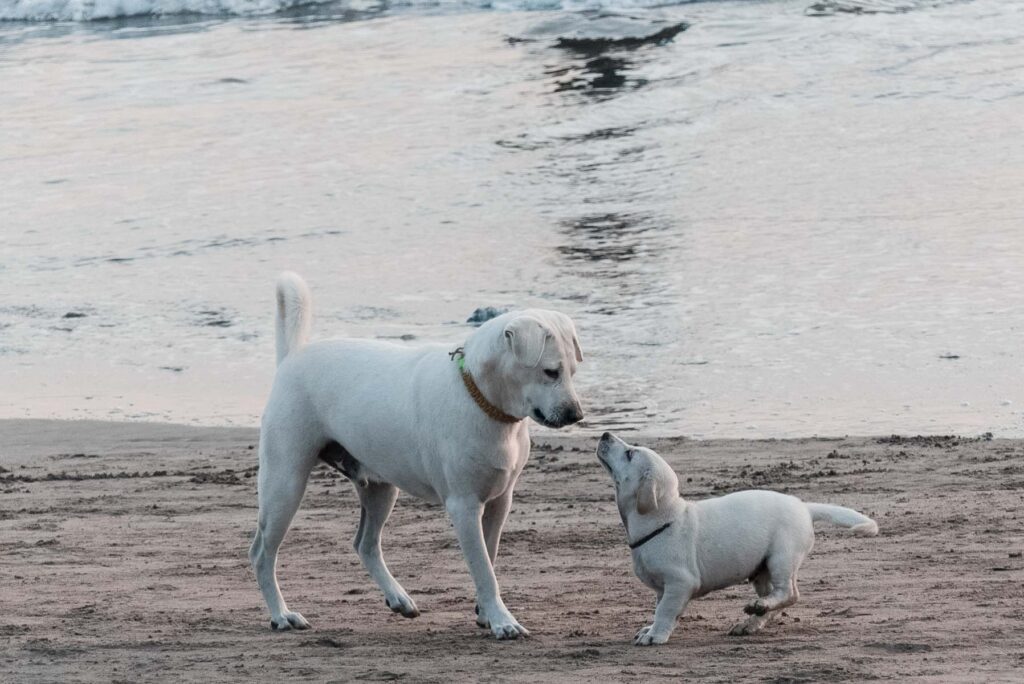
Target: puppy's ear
647,494
526,338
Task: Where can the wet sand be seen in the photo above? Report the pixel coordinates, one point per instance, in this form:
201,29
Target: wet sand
123,558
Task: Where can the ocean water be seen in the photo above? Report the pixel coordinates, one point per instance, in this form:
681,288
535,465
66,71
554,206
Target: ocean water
790,218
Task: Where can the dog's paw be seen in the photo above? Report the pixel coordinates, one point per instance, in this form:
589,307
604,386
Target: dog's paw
403,605
757,607
511,630
288,620
505,626
643,630
648,637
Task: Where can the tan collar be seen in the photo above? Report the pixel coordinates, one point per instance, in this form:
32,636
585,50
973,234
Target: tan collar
492,411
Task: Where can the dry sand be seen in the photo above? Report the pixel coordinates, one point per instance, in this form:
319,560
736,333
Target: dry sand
123,558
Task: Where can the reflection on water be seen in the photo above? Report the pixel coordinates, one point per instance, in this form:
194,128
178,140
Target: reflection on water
762,224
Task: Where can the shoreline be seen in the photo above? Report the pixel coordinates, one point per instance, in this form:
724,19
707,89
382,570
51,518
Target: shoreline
123,557
160,430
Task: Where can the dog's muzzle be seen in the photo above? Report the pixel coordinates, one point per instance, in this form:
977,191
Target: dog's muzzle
573,414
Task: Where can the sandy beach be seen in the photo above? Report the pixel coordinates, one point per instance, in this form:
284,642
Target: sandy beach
122,558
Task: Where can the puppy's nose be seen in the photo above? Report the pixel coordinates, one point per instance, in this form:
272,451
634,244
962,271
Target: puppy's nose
606,437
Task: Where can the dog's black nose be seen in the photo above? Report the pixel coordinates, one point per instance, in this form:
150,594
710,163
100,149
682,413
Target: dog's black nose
575,415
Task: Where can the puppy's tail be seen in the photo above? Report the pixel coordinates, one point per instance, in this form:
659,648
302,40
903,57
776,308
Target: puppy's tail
844,517
294,314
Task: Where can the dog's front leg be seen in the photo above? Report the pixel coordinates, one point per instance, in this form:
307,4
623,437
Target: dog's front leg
466,514
671,603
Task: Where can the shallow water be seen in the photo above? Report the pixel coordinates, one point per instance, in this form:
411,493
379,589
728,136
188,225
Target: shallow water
773,225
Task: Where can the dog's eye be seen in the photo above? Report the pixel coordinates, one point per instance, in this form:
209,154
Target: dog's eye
629,454
551,373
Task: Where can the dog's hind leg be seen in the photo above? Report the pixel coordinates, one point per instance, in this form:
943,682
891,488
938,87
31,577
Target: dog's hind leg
376,500
282,482
762,582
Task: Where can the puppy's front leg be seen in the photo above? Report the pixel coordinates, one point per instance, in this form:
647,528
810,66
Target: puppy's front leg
673,600
466,514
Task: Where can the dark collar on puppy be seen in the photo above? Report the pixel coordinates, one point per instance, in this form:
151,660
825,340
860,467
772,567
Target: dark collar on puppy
492,411
640,542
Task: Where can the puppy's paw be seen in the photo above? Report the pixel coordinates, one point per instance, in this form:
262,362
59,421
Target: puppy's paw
643,630
288,620
402,604
743,629
648,637
757,607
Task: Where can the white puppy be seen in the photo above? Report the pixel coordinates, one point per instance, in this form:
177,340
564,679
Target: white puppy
446,426
685,549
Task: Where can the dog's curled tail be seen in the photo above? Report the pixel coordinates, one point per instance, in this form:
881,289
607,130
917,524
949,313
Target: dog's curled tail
294,314
844,517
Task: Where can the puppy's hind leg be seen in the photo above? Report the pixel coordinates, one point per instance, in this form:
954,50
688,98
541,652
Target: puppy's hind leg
755,623
282,482
782,569
376,500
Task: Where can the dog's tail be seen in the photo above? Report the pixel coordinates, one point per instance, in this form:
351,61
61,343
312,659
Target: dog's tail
844,517
294,314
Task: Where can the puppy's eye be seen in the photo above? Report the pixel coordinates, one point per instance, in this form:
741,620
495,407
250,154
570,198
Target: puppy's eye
629,454
551,373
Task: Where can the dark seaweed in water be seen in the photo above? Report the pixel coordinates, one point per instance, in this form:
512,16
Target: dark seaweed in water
591,36
484,314
600,44
593,33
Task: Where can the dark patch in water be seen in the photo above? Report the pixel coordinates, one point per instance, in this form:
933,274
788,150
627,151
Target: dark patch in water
523,141
592,33
75,314
829,8
599,74
214,319
599,45
605,237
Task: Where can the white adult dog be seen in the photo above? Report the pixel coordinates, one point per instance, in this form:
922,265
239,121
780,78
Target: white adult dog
445,426
684,550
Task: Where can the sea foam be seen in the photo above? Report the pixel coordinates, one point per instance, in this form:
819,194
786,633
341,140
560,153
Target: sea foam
90,10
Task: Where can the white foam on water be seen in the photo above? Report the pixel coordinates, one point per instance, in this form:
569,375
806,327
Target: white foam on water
93,10
89,10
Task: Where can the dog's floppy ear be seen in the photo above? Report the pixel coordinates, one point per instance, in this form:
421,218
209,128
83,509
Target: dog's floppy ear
647,493
576,345
526,337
